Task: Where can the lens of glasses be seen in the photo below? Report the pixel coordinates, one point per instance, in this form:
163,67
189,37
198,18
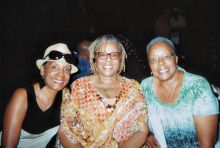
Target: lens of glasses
102,55
113,55
55,55
156,59
69,58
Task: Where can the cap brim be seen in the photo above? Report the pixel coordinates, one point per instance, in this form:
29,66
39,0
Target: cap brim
39,62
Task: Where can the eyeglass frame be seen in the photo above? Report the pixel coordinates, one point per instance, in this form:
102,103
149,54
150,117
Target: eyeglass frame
161,57
108,54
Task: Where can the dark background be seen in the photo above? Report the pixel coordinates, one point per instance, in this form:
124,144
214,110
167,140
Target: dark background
28,27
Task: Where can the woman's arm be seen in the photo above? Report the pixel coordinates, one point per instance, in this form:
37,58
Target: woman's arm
65,141
68,117
137,139
206,128
13,119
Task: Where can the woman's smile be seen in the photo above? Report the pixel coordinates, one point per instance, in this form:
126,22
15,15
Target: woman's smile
163,70
58,81
107,67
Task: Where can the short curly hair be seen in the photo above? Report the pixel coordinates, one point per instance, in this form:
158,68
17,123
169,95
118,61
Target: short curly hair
161,39
95,44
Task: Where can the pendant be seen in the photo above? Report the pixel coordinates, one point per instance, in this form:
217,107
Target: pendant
168,102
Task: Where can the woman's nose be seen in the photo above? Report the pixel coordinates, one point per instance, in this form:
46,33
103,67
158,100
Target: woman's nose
108,57
161,60
61,72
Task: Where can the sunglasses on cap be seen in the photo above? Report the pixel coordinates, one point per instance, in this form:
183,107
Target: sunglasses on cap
56,55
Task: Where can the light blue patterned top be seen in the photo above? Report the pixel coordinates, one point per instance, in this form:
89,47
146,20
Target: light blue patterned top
196,98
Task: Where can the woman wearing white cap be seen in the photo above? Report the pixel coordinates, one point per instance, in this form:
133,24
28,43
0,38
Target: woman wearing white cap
32,116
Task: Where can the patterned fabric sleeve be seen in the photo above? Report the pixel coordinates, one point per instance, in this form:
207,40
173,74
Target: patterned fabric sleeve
143,116
70,121
205,101
135,116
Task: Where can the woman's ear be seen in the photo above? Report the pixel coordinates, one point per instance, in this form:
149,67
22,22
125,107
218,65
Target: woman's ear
176,60
42,70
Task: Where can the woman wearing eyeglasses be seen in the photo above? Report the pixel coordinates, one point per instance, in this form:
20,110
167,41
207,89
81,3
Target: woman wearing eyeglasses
104,109
183,111
32,116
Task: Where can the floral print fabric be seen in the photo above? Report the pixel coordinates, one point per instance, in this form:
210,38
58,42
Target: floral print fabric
196,98
86,120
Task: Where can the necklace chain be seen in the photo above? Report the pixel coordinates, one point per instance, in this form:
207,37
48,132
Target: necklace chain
169,100
170,95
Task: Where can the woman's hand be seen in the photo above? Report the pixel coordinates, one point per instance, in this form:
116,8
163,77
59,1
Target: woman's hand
151,142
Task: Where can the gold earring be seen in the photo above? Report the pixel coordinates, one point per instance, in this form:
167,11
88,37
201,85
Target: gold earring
96,70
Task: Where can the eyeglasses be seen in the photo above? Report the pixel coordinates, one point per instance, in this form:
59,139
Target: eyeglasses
56,55
113,55
155,60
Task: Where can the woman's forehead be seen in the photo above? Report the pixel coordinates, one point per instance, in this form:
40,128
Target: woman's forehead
160,47
108,45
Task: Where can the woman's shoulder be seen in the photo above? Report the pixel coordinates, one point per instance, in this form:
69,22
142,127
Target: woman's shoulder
192,77
19,98
195,79
20,92
130,81
83,80
196,83
147,81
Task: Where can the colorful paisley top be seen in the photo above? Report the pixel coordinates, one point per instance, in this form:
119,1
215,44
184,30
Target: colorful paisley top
86,120
196,98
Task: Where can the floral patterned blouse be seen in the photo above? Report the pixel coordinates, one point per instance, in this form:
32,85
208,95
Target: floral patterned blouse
86,120
196,98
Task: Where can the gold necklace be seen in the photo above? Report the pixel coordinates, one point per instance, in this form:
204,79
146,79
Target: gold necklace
171,93
169,100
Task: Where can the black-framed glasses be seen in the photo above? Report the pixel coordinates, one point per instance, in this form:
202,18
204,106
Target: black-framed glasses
56,55
165,57
104,55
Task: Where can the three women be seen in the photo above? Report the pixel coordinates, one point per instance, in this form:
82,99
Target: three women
108,110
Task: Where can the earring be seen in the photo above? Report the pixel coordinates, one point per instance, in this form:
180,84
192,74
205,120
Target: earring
151,73
96,70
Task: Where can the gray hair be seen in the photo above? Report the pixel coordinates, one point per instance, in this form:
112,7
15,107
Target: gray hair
161,39
95,45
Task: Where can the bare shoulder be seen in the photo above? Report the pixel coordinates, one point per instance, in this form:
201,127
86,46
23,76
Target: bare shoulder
20,94
19,98
16,108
